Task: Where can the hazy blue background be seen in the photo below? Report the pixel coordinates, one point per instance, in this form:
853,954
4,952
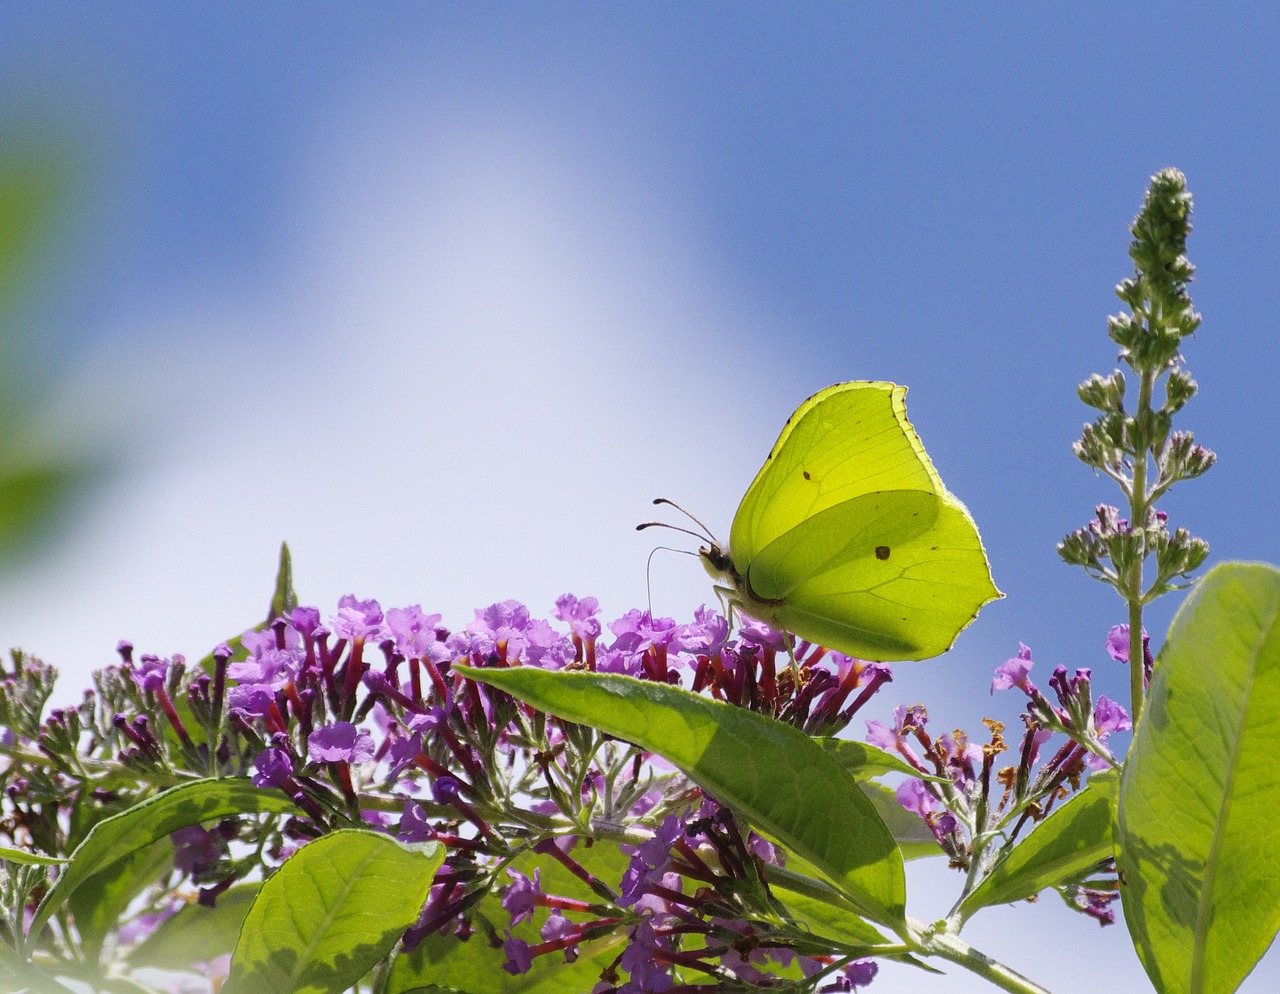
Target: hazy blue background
444,294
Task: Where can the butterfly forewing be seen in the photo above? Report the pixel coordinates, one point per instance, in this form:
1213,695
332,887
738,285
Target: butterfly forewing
842,443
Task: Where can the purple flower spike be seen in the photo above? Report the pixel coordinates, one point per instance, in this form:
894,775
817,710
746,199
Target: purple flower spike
444,789
194,849
275,769
559,929
580,615
305,619
414,826
649,972
709,632
860,973
1108,716
915,797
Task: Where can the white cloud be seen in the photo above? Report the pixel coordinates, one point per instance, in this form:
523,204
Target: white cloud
486,358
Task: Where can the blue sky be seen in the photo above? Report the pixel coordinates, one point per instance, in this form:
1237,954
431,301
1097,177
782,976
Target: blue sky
444,294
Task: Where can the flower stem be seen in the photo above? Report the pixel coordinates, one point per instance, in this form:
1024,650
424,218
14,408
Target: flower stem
950,946
1134,587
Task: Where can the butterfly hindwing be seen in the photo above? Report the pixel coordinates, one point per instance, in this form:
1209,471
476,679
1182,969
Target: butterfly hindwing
907,581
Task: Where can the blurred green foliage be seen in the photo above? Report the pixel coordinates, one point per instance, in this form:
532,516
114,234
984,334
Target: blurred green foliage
41,472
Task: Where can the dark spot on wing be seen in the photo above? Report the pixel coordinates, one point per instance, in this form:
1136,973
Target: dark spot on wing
882,552
806,474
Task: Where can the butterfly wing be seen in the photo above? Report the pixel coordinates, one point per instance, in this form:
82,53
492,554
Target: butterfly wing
890,575
848,538
843,442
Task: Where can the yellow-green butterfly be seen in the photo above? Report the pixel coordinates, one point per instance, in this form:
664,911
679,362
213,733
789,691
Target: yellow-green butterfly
847,537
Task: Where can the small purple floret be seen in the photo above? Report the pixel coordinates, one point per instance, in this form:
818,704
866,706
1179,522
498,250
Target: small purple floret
521,897
519,956
340,742
1013,673
275,769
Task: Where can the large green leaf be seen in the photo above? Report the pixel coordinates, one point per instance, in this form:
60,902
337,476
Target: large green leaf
1197,833
330,913
444,963
41,474
1066,844
119,836
771,774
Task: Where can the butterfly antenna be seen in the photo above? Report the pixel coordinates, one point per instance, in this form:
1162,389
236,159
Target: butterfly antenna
706,532
675,528
648,565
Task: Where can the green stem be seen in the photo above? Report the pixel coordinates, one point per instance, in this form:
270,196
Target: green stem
1134,586
950,946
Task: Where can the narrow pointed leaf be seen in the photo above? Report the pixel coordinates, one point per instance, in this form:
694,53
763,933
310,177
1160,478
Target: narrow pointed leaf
212,931
1072,839
330,913
771,774
12,855
863,760
119,836
97,909
909,831
1197,832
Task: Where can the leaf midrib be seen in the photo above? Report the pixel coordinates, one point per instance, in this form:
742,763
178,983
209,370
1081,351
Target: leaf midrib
1205,901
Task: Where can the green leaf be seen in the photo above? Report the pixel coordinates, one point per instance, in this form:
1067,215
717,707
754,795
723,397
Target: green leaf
283,600
914,839
331,912
1071,840
825,919
34,181
771,774
443,962
1197,832
42,473
98,908
33,858
117,837
196,933
36,488
863,760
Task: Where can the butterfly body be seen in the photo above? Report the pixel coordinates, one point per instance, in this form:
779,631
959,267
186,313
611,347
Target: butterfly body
848,538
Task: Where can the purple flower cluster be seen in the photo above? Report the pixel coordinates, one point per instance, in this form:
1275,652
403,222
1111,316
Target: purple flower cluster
361,718
966,802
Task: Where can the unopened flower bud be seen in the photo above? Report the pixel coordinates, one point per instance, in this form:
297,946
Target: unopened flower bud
1178,389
